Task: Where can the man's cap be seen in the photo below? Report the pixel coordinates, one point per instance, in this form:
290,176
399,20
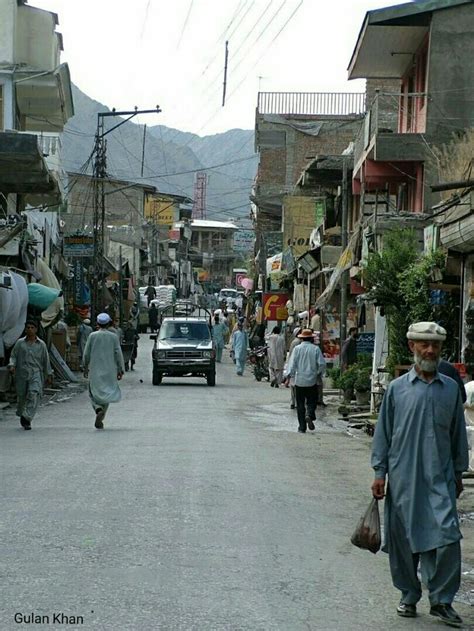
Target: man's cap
103,318
87,321
306,334
297,331
426,331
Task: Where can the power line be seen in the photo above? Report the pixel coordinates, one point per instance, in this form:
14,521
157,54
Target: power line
185,23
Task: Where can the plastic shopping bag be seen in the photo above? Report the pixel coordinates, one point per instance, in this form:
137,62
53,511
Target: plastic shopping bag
367,535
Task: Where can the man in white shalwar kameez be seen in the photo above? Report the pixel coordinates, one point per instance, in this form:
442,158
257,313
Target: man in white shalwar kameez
103,363
276,356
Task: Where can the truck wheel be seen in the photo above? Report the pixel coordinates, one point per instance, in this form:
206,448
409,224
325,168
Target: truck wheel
157,377
211,378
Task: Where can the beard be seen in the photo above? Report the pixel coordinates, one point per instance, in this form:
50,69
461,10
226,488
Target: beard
426,365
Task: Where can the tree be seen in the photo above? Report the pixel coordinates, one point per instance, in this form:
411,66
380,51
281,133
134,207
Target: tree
399,279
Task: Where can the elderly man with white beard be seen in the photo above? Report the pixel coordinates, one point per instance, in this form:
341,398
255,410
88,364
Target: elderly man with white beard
420,444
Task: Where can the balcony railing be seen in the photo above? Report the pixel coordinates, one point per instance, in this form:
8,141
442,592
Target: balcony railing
311,103
392,113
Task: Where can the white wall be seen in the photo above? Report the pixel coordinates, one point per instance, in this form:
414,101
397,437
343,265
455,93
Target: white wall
37,42
8,10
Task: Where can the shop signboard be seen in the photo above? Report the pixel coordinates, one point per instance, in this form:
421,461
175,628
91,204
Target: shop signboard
274,306
79,245
78,282
366,343
161,209
244,240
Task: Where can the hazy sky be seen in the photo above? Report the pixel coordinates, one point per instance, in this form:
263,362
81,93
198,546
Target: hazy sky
171,53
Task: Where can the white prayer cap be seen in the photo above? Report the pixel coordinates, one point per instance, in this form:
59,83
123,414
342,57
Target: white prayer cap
103,318
426,331
87,321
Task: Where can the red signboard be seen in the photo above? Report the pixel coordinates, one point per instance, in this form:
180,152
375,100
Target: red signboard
274,306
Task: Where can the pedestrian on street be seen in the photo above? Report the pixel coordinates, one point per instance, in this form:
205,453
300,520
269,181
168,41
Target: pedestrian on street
295,342
153,317
420,443
349,350
85,330
219,333
29,362
239,348
150,293
316,321
305,364
446,368
104,357
276,356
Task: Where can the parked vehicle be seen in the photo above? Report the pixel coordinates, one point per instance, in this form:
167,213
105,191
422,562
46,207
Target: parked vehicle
228,295
184,347
258,357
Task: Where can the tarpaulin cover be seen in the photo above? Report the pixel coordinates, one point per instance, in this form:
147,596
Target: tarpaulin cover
13,307
48,279
41,296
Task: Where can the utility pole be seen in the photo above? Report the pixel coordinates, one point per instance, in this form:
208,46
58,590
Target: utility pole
344,240
226,59
99,175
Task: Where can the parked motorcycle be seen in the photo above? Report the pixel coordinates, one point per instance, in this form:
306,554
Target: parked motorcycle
259,359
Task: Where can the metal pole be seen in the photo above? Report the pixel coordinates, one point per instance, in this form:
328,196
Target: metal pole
344,240
121,318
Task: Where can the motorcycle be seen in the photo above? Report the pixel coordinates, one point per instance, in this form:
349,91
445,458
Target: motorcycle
258,358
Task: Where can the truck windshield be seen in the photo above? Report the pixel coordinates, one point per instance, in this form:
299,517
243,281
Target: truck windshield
228,293
184,330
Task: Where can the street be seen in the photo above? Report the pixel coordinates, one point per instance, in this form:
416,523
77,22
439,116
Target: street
197,508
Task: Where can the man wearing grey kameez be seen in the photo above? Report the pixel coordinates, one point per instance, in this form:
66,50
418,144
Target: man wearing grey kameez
104,357
29,362
420,444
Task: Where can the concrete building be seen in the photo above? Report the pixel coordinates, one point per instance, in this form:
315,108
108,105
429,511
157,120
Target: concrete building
426,48
125,226
35,103
211,248
290,130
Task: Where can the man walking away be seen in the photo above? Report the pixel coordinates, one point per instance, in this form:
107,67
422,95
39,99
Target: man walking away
276,356
420,443
349,350
104,357
305,364
29,362
82,336
295,342
219,332
150,293
153,317
239,348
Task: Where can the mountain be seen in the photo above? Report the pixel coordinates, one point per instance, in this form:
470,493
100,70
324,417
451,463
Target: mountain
171,158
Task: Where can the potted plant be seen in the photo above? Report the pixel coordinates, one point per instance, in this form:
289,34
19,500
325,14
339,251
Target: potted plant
362,385
347,382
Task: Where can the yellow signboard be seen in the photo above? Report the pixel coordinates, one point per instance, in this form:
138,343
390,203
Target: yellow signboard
161,210
300,217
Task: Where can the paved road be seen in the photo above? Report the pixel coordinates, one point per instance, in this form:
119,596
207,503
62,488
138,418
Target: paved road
197,508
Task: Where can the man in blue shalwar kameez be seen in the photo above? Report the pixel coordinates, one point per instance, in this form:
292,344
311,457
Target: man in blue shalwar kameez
420,444
219,332
240,343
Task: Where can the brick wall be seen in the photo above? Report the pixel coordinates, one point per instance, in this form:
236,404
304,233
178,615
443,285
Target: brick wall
281,167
